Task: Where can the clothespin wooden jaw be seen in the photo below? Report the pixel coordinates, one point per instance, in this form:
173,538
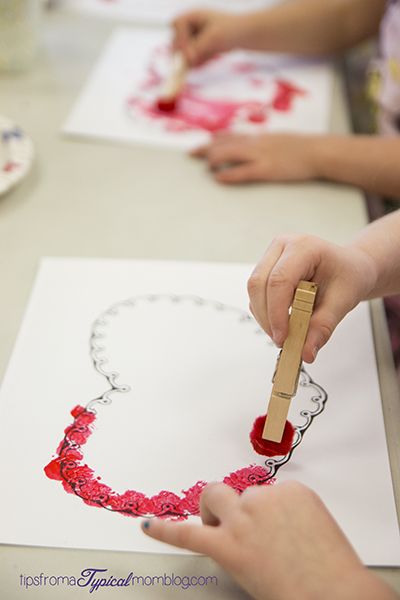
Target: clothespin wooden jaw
287,371
176,80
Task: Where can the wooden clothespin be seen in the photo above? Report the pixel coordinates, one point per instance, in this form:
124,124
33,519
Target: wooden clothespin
287,371
173,84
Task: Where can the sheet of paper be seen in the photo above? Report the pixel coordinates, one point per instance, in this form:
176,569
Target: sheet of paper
199,373
243,92
159,11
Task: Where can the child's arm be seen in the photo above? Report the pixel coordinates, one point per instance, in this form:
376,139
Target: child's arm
381,241
369,162
278,542
366,268
308,27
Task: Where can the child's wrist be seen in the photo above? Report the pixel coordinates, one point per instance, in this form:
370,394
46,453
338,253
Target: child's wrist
367,271
254,31
349,582
317,149
361,583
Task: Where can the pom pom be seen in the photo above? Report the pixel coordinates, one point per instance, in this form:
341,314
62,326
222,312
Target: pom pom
166,104
266,447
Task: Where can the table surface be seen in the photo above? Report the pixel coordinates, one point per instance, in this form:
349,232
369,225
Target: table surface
95,199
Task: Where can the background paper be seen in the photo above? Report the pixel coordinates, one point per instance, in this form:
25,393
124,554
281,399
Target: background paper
124,74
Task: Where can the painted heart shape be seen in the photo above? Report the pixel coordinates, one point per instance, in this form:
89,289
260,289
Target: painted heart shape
77,477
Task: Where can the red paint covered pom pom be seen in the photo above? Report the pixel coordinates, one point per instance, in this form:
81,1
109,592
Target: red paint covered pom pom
266,447
166,104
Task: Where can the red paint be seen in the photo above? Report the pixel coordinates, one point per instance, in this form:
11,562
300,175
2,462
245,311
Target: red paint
266,447
52,470
244,66
78,478
153,79
257,116
10,166
285,94
77,410
195,112
257,82
166,104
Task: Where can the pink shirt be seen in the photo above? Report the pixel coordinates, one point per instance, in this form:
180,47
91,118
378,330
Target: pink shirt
388,97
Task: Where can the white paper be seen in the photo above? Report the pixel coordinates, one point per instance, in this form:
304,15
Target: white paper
159,11
231,92
199,376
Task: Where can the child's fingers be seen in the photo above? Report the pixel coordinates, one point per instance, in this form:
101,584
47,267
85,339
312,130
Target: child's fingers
227,156
216,503
322,325
325,319
204,150
200,152
219,141
186,28
203,47
181,27
293,265
222,138
198,538
239,173
257,284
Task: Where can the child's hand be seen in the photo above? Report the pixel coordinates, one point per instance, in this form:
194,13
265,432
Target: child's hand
202,34
278,542
238,158
345,276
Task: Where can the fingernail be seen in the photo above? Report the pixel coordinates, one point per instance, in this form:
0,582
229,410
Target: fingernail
315,352
146,524
277,337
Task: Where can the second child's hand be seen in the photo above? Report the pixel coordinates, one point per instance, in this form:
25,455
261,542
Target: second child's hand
235,158
201,34
308,27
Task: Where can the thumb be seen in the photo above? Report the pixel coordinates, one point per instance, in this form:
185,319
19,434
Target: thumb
186,29
323,323
322,326
204,46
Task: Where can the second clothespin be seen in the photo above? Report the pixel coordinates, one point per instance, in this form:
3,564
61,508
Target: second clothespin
173,84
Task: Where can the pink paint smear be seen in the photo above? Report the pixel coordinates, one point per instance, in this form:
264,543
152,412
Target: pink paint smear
193,111
9,167
78,478
196,112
